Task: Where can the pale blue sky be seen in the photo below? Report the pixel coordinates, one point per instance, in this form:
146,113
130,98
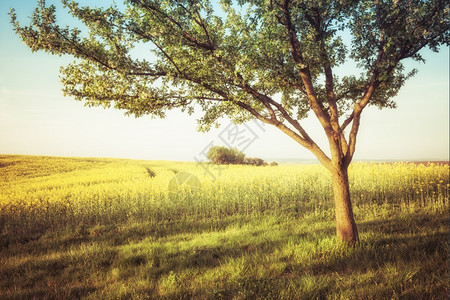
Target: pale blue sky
36,119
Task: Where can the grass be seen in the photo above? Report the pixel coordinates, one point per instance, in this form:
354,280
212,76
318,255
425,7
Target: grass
108,229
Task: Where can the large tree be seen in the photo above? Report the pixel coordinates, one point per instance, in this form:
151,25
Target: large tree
273,60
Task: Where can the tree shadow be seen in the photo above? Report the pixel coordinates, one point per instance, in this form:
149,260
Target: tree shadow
383,242
37,243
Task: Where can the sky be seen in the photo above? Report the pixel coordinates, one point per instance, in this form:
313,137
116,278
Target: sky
36,119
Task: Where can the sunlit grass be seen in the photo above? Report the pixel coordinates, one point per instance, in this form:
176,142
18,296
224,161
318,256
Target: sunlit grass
101,228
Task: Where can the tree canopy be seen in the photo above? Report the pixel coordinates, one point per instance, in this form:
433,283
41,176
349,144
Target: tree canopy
224,156
274,60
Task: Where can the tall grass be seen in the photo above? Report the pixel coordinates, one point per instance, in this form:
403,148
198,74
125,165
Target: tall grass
110,229
40,193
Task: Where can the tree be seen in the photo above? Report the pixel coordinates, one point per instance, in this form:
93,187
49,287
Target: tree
274,60
224,156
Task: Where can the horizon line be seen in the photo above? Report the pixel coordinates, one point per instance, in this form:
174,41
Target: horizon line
278,160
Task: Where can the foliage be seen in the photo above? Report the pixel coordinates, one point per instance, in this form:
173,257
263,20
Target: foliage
104,228
223,156
255,161
271,60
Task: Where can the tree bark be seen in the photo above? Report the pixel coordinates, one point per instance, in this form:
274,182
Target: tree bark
346,229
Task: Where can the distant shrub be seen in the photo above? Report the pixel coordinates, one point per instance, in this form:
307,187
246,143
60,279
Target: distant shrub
255,161
224,156
273,164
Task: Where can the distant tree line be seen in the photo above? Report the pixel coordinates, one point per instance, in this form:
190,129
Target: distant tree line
231,156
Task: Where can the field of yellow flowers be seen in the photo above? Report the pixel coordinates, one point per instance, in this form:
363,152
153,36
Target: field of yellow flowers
132,229
43,192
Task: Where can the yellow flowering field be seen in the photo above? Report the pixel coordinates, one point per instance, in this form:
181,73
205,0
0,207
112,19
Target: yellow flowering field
45,192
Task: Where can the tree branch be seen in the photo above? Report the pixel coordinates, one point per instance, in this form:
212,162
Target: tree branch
189,37
347,121
316,106
321,156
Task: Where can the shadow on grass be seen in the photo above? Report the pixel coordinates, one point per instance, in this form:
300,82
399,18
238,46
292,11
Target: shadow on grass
396,258
111,234
386,247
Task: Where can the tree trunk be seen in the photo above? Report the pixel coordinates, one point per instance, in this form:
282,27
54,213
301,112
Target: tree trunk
345,223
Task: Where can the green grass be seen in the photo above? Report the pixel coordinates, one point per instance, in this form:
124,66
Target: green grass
291,253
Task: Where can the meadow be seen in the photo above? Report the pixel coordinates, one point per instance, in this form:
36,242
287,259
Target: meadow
119,229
